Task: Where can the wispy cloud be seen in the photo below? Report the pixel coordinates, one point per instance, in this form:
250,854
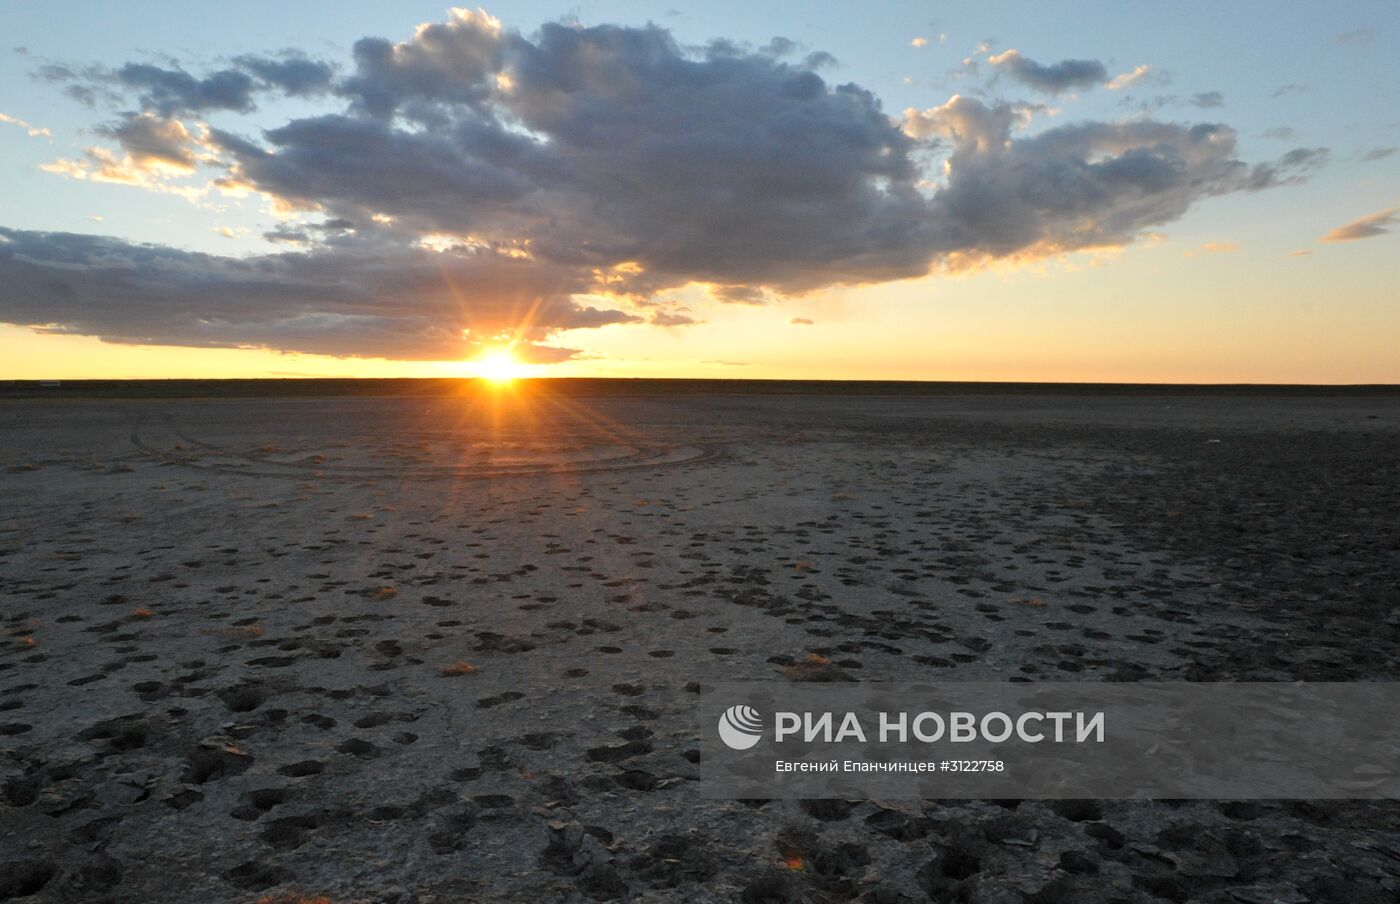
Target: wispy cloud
34,131
1367,227
171,91
1213,248
671,318
1131,77
1355,36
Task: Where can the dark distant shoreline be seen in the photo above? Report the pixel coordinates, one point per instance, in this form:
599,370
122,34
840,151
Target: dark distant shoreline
615,386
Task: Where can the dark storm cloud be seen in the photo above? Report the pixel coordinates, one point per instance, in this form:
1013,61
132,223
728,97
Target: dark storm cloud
1056,78
604,160
400,303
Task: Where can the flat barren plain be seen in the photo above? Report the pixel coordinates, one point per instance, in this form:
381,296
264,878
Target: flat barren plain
438,646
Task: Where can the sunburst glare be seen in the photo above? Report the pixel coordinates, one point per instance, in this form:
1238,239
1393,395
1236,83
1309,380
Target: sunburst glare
499,366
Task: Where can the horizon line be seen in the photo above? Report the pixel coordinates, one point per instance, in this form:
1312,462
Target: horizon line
15,387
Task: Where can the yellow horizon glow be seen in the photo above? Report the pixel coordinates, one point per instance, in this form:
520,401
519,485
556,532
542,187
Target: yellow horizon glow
1117,352
1262,319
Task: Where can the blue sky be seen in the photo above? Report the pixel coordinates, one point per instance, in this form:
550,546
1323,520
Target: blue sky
1282,78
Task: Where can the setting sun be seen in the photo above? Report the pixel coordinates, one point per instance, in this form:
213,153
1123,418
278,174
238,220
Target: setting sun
498,366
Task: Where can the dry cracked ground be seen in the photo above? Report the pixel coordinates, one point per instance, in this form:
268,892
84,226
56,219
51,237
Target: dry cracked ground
439,650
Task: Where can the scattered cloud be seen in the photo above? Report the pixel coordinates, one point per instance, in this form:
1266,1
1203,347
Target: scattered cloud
292,73
668,318
101,165
1137,74
1212,248
1208,99
918,43
283,236
1079,186
172,91
34,131
169,91
1282,133
802,321
151,141
1056,78
1286,90
1367,227
740,294
1378,154
1295,166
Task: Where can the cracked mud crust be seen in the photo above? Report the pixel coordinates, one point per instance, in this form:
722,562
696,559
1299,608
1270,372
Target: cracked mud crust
426,650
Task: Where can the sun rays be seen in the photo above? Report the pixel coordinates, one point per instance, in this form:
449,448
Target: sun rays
499,366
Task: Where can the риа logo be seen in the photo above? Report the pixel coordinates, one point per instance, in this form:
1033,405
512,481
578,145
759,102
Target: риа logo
740,727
